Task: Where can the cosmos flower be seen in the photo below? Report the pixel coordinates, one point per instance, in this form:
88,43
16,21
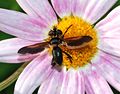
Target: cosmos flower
93,66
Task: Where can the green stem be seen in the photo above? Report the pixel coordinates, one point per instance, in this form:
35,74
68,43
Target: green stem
12,78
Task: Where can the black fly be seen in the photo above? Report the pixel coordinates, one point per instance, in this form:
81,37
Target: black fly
57,38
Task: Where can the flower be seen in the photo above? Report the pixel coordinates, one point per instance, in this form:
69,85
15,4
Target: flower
93,65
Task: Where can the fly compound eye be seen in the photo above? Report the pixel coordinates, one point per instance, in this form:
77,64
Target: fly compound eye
58,32
51,33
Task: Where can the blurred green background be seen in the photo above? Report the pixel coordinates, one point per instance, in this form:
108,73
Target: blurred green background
7,69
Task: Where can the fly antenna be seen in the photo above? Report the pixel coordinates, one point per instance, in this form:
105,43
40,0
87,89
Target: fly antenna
66,30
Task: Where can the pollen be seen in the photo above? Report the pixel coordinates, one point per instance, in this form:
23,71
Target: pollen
79,27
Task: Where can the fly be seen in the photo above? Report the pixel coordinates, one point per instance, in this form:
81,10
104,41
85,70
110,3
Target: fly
57,39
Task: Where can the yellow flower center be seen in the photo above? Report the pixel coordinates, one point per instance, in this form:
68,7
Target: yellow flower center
80,56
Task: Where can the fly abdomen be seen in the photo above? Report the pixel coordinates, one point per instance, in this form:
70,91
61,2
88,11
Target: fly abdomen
57,55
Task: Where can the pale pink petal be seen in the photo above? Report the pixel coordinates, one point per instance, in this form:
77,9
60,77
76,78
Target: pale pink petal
109,71
110,23
39,9
9,50
108,30
53,84
94,9
109,34
96,84
11,46
109,41
34,74
62,7
78,7
22,26
110,45
91,10
73,83
17,58
115,60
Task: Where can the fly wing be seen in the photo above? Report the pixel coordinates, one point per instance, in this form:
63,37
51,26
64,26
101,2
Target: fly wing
33,49
77,42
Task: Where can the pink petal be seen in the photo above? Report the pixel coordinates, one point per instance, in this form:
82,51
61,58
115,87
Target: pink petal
73,83
110,26
22,26
109,71
62,7
78,7
94,9
110,45
34,74
111,22
53,84
91,10
96,84
17,58
111,58
109,33
9,50
39,9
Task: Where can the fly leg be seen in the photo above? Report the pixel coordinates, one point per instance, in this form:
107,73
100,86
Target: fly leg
53,63
68,56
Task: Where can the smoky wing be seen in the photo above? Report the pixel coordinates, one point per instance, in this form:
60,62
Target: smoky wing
78,41
33,49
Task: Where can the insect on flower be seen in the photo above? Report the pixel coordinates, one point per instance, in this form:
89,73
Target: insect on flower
56,39
70,50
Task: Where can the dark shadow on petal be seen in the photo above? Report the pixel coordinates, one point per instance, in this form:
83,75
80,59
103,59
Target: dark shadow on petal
114,90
